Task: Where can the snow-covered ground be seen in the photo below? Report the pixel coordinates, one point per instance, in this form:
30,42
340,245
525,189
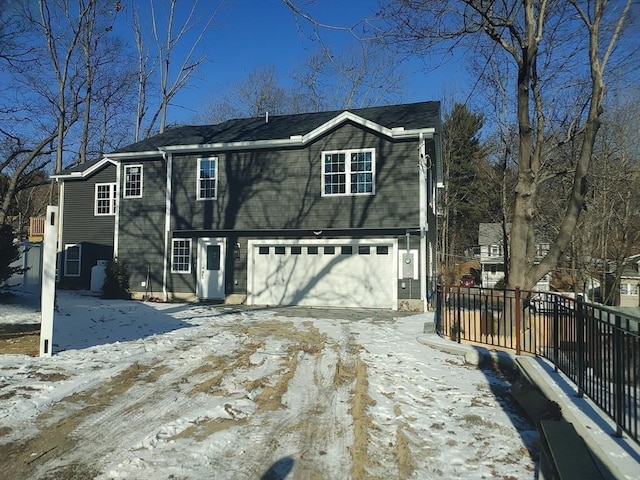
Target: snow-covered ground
192,391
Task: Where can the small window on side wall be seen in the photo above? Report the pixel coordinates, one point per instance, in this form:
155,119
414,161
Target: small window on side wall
132,181
181,255
72,258
105,199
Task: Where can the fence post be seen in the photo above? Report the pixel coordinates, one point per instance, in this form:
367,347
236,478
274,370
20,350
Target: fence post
458,324
555,339
439,299
581,349
518,322
618,366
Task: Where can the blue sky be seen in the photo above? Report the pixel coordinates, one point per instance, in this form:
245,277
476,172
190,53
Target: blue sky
251,34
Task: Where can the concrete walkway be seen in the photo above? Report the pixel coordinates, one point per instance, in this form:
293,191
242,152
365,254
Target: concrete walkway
618,458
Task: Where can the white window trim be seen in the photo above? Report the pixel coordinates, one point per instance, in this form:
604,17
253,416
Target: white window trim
66,249
124,186
112,197
198,197
173,242
347,172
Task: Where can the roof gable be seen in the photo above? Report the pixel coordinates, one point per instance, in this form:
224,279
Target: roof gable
290,129
395,121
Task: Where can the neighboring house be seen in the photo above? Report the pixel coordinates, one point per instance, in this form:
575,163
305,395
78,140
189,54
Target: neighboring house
630,282
491,241
320,209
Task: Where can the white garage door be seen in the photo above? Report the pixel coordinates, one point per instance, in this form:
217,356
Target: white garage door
333,273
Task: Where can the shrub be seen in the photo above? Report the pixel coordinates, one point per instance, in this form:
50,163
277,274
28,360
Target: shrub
116,282
9,253
501,284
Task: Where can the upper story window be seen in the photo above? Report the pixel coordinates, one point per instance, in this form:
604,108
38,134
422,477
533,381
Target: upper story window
207,178
105,202
348,172
133,181
494,251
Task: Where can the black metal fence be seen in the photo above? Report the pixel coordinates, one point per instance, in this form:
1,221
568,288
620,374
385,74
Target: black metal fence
597,347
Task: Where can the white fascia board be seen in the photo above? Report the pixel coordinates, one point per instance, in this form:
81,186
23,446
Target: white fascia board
300,140
250,145
128,155
85,173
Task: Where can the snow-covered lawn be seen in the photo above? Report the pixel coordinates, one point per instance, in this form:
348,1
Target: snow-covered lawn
194,391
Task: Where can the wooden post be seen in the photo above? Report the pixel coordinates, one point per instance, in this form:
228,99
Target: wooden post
48,294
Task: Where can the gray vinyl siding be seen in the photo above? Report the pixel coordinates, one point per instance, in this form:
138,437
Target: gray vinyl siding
264,189
281,189
141,228
82,226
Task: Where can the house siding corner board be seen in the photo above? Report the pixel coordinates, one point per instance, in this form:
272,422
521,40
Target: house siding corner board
82,227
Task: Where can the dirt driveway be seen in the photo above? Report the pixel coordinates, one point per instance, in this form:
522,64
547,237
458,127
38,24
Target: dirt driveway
254,393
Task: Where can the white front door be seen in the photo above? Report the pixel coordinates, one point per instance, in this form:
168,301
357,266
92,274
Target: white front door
211,258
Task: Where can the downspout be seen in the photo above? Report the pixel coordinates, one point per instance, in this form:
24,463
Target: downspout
422,175
60,245
116,224
168,158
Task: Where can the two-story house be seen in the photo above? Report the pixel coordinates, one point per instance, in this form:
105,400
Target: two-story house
492,249
321,209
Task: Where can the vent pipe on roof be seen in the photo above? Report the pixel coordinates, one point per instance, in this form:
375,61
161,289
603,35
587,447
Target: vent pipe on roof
266,117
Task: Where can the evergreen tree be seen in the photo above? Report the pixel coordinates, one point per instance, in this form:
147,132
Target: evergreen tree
9,253
116,282
467,173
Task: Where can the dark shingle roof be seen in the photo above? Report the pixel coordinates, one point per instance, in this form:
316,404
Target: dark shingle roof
409,116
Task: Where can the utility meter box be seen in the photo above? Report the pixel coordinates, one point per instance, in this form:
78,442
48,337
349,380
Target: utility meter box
408,267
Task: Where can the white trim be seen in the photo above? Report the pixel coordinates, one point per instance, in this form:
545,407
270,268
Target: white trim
124,184
67,246
116,221
88,172
60,216
347,171
113,199
423,205
173,241
198,179
167,223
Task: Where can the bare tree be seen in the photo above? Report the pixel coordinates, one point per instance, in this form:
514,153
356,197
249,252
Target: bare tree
360,76
259,94
561,52
167,33
54,56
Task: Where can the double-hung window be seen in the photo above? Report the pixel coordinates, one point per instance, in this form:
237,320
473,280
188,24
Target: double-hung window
132,181
72,256
105,199
348,172
207,178
181,255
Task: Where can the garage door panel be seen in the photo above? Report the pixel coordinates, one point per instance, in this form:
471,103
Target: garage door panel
281,277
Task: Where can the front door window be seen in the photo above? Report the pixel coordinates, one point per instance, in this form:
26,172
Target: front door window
211,281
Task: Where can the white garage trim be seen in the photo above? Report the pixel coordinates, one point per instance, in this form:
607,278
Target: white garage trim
280,275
